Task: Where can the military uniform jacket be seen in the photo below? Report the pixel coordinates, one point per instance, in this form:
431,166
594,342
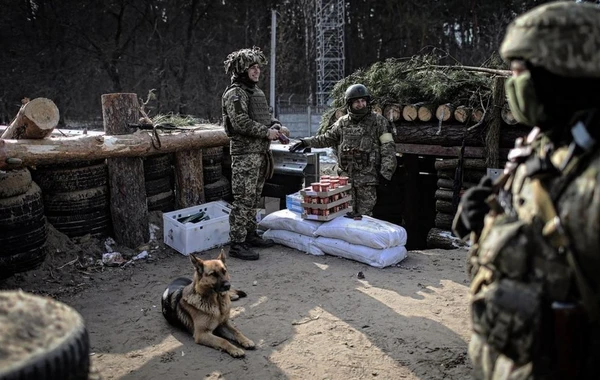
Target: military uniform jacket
246,118
520,267
365,148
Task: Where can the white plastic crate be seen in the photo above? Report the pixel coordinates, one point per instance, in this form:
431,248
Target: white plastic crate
188,238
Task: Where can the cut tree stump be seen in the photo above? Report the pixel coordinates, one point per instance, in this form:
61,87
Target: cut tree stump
462,114
189,178
425,112
36,119
128,206
444,112
410,112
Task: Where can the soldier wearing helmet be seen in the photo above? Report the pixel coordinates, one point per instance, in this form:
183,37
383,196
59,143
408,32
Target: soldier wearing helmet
535,257
365,148
251,127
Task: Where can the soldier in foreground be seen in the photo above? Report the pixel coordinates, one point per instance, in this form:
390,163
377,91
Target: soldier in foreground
535,258
249,124
366,151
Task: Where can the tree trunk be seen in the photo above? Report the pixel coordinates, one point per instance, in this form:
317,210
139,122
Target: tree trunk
189,178
425,112
462,114
393,112
444,112
36,119
128,206
88,147
443,239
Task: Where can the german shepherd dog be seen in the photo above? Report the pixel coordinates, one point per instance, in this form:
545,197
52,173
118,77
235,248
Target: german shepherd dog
202,306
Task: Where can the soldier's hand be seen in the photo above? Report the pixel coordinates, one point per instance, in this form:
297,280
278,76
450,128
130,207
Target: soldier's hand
474,206
273,134
298,146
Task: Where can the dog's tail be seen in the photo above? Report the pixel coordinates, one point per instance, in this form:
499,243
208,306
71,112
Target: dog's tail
170,302
236,294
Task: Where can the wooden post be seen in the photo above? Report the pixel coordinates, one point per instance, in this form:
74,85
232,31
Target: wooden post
189,179
412,211
128,206
492,137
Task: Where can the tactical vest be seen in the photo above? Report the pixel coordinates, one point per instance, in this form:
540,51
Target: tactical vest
524,276
359,146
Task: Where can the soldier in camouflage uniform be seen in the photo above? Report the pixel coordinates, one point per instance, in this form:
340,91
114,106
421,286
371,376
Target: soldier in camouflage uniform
535,257
248,123
365,148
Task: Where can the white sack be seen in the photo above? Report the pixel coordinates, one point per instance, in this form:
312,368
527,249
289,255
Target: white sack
306,244
289,221
379,258
369,232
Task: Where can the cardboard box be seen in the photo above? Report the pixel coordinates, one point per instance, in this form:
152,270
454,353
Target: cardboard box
188,238
293,202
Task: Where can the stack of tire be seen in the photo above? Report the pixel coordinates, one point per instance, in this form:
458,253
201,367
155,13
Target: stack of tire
76,197
216,185
23,229
159,177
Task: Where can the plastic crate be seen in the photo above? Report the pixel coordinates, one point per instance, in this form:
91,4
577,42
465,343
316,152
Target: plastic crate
188,238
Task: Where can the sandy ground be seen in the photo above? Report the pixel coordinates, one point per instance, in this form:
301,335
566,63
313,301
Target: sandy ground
311,317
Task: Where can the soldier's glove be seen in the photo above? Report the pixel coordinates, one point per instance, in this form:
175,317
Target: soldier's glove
473,205
300,145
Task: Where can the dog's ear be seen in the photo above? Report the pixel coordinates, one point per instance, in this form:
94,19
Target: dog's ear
197,263
222,256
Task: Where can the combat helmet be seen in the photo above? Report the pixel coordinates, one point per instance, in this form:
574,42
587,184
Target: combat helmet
562,37
356,91
240,60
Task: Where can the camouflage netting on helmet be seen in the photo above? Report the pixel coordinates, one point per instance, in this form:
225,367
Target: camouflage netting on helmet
240,60
562,37
416,79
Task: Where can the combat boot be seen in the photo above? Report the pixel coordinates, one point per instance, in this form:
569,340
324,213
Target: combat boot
253,240
242,251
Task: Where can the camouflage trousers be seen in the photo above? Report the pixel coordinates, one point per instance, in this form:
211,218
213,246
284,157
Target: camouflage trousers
364,198
248,174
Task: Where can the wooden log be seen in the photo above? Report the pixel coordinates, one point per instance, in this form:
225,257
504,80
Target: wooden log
36,119
128,207
139,144
376,109
444,112
425,112
444,239
447,183
476,115
468,175
471,163
462,114
444,221
507,116
443,195
492,137
393,112
410,112
441,151
189,178
452,135
445,207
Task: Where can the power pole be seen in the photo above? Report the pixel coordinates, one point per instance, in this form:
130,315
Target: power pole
330,47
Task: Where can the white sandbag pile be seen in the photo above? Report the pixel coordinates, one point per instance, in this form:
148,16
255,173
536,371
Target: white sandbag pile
369,240
288,228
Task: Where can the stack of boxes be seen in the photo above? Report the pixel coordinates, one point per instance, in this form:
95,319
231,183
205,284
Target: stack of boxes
327,199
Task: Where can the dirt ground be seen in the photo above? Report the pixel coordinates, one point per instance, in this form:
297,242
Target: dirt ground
310,316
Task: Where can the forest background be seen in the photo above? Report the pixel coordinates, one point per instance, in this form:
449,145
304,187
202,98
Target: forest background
73,51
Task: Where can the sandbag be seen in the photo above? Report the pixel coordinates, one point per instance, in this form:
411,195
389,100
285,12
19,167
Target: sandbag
379,258
294,240
289,221
368,231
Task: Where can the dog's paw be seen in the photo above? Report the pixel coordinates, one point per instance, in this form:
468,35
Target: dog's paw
236,352
248,344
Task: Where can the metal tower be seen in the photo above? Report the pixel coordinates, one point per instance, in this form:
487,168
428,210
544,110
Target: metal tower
330,47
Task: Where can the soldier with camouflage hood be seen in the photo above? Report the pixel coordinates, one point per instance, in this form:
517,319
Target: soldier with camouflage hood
248,123
535,257
365,148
